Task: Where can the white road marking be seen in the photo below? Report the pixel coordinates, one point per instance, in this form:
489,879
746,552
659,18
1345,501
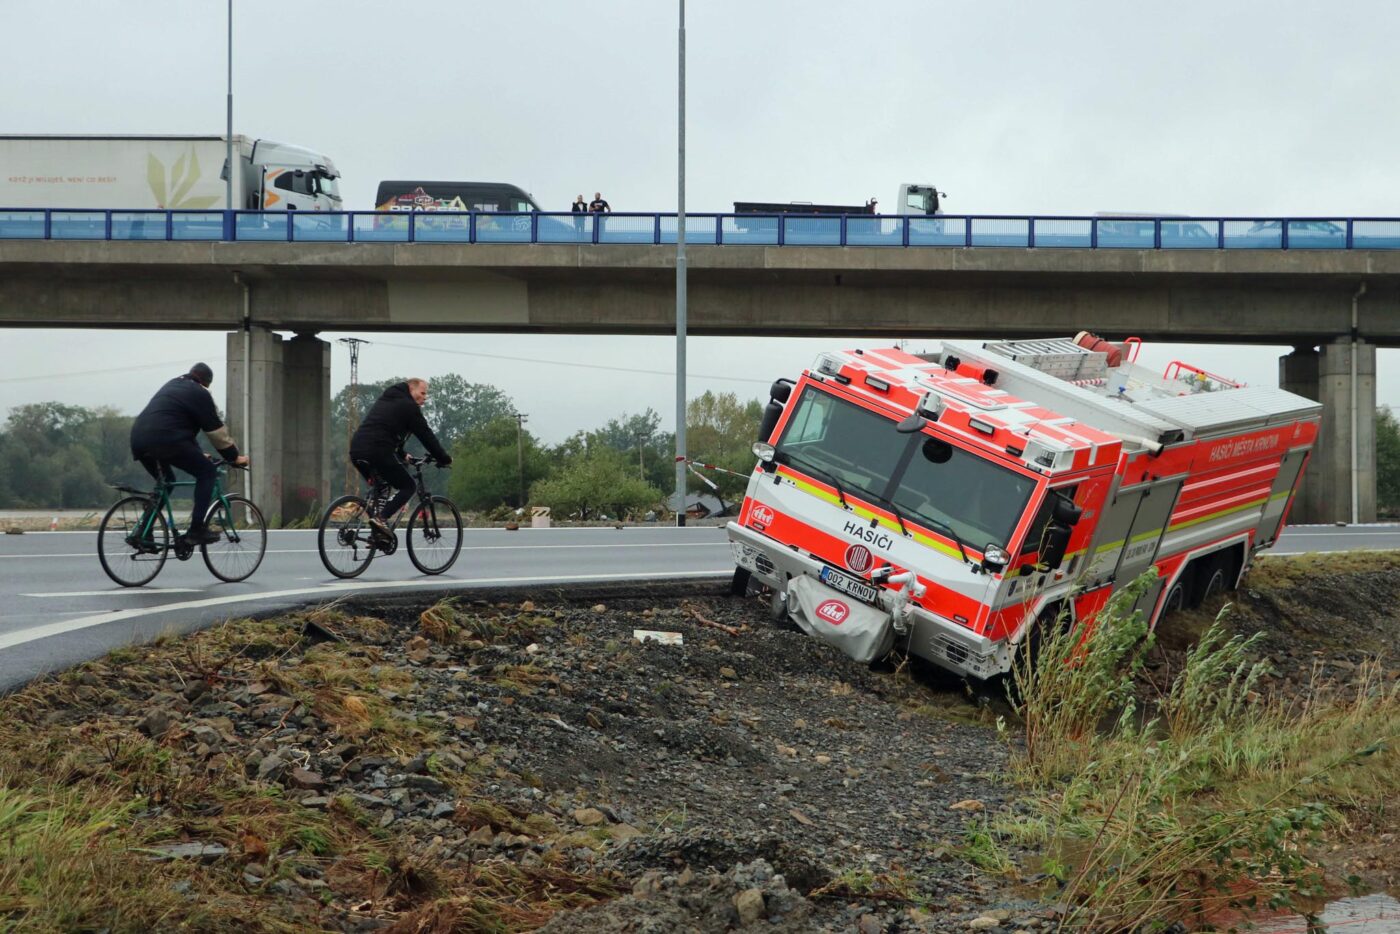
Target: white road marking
114,592
10,640
312,551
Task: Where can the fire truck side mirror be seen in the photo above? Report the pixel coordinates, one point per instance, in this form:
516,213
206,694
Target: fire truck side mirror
771,413
1065,512
1056,544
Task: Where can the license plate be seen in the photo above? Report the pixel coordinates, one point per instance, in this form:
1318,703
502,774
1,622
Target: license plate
849,585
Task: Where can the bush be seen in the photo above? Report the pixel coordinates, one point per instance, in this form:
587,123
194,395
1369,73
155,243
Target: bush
1210,800
598,482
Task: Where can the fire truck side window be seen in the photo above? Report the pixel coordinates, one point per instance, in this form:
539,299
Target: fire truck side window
809,424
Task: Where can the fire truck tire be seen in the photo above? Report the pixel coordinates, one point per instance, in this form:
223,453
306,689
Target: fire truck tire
739,583
1176,596
1215,582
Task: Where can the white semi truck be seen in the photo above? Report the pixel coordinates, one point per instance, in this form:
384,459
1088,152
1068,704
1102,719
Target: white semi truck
163,172
913,199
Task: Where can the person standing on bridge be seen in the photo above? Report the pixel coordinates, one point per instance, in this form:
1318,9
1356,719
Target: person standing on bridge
377,451
579,208
163,436
598,205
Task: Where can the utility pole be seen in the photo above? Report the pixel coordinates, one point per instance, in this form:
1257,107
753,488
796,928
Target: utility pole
352,420
680,276
520,453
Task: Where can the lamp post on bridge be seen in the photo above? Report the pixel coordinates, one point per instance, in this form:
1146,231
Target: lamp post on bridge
680,279
228,141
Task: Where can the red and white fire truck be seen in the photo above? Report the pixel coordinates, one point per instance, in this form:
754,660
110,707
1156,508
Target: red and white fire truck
952,500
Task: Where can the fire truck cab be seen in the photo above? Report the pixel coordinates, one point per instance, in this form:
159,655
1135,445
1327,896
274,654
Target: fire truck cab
951,500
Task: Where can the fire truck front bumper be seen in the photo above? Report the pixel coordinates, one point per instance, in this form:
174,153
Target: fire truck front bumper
941,641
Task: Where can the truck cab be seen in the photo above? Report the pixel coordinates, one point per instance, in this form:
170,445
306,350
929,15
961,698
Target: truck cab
292,178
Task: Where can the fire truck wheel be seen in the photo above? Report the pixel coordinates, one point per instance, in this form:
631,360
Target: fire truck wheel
739,583
1176,597
1215,583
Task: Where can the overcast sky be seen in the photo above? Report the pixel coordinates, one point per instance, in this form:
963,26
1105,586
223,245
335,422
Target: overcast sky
1239,108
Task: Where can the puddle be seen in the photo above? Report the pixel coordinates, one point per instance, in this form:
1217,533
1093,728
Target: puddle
1368,914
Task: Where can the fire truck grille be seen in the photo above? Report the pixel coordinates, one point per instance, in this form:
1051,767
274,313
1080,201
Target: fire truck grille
959,655
761,564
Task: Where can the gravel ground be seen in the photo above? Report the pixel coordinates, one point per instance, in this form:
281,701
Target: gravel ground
735,776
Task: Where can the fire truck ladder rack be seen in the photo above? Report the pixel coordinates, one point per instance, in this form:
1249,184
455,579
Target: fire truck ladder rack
1128,401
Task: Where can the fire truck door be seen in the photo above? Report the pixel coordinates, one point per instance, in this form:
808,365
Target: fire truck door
1279,494
1155,503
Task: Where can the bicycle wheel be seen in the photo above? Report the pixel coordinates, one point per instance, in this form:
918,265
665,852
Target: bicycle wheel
344,537
242,539
127,559
434,535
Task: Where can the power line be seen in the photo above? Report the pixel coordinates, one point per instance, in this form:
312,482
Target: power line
585,366
116,369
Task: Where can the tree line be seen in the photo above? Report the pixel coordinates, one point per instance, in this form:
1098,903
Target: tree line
57,455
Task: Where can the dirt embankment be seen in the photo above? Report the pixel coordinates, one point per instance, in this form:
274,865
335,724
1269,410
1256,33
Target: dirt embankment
522,762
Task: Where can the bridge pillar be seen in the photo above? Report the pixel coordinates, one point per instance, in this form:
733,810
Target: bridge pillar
1324,374
287,426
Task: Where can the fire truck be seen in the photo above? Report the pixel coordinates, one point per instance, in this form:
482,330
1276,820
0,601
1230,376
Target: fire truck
955,501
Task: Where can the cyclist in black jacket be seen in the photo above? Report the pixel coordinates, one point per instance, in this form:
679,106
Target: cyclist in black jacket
163,436
377,447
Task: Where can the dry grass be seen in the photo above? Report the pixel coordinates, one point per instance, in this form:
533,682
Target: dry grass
1213,798
84,796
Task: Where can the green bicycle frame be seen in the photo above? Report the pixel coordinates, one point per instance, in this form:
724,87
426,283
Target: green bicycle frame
162,496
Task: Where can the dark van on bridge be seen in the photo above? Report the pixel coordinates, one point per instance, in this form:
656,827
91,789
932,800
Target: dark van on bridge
486,197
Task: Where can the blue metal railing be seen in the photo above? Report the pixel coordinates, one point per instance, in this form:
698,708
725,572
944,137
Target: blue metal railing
1013,231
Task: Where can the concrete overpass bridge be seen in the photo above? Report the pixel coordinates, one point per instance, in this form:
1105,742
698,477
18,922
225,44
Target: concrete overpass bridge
1332,304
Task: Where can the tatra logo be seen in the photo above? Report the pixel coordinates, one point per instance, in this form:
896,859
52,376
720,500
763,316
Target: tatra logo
761,515
858,558
833,611
866,534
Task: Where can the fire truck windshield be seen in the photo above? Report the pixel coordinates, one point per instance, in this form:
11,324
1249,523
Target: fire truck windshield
926,478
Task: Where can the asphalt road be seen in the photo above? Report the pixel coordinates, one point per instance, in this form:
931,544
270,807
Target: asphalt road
57,607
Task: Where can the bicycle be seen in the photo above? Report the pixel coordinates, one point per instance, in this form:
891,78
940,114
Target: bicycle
347,542
135,537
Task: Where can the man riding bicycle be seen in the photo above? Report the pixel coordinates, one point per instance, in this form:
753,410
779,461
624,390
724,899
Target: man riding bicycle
164,436
377,451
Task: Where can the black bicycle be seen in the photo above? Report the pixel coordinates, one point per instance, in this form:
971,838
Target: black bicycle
348,543
139,533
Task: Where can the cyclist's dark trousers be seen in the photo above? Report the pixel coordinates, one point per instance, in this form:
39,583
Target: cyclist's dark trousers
187,457
390,470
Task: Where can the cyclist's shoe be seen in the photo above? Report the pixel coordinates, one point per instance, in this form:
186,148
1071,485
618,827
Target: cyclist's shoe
205,536
141,545
379,532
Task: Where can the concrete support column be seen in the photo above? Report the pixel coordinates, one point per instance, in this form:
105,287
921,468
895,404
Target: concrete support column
1325,375
1297,373
306,425
258,431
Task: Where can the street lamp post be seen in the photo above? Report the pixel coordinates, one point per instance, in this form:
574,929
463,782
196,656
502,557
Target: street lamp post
680,281
228,142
